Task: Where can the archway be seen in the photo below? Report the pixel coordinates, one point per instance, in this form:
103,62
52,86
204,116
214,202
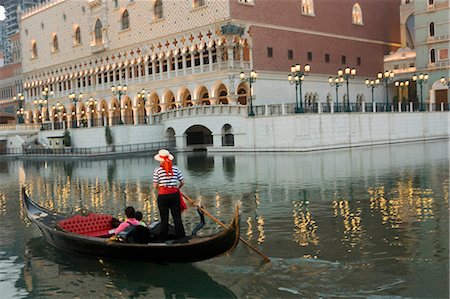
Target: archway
115,113
198,135
169,99
227,135
185,97
203,96
127,118
140,104
103,113
242,94
155,103
170,137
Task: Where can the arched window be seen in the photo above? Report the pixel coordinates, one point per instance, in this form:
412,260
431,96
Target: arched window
34,52
158,10
431,32
77,36
98,32
308,7
125,20
357,16
116,3
55,43
430,2
432,55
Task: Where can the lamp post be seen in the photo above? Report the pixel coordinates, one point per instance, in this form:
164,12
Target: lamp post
372,84
337,82
422,78
40,103
141,95
74,99
46,94
348,73
60,108
386,77
401,85
119,90
250,80
296,77
20,110
445,82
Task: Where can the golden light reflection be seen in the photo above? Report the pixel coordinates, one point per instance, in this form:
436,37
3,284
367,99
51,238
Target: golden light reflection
351,220
249,233
407,203
2,204
260,227
305,227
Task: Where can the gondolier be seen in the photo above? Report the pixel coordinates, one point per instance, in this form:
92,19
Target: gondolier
168,179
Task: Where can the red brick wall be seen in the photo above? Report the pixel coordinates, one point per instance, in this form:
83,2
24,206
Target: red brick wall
281,41
381,23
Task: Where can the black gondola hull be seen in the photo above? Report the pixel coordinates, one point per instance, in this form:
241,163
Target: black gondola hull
192,250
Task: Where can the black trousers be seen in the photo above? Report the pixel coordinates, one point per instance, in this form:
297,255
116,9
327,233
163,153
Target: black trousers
170,202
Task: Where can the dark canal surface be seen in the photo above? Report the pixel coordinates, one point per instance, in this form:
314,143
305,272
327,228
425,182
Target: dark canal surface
360,223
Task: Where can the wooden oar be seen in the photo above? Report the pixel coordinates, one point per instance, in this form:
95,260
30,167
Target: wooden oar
191,201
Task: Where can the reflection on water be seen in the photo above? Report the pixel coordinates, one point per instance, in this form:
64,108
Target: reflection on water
323,218
86,277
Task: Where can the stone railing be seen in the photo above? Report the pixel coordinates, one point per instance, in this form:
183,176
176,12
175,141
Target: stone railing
193,111
20,127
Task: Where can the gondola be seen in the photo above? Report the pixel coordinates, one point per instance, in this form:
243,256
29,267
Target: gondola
186,250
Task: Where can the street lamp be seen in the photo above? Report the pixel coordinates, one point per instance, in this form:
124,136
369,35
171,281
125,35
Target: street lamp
47,95
250,81
74,99
372,84
119,90
445,82
401,85
336,81
141,95
20,111
422,78
386,77
40,103
347,74
296,77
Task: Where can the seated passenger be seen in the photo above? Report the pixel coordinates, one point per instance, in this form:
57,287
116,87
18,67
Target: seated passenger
131,220
138,217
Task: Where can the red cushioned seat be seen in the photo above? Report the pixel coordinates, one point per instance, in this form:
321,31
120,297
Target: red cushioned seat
94,225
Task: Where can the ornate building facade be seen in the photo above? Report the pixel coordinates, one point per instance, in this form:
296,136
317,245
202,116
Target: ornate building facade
425,38
98,62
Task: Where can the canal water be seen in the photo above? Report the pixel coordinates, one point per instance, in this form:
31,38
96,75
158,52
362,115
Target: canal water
354,223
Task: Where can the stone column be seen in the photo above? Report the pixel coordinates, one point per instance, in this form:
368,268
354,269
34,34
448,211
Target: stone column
110,117
175,61
183,57
153,69
217,140
135,116
210,58
163,107
180,141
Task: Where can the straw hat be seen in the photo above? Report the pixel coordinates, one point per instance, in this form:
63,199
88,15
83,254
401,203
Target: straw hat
163,153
